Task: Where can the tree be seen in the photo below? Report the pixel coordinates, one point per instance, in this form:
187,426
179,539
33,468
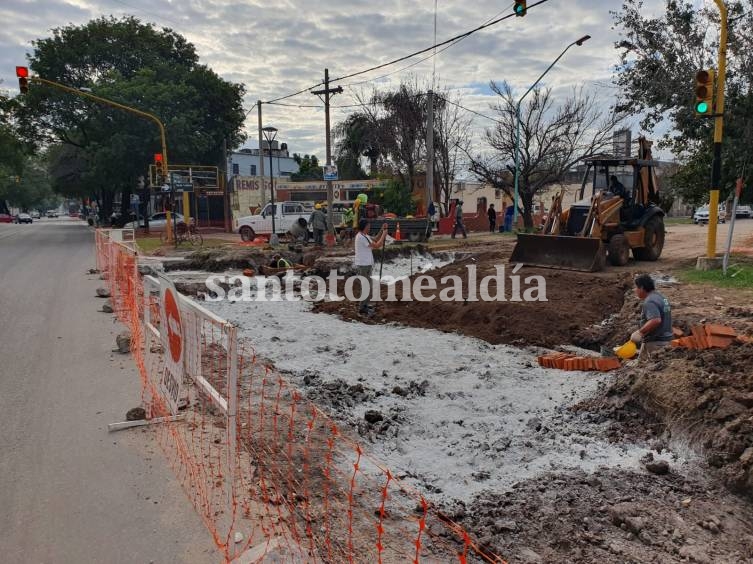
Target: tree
357,136
394,198
659,59
552,140
30,189
308,168
402,130
138,65
452,140
389,129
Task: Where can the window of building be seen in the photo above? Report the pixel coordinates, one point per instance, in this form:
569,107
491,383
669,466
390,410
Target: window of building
236,169
253,170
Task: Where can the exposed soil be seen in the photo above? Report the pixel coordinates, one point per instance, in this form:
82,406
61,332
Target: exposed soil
575,300
695,405
612,516
703,398
691,305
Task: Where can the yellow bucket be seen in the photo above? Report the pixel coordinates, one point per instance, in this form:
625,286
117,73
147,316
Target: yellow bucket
626,351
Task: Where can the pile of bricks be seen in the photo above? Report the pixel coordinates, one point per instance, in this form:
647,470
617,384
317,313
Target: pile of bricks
710,336
566,361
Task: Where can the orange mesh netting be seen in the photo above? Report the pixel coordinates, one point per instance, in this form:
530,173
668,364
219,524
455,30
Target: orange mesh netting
266,469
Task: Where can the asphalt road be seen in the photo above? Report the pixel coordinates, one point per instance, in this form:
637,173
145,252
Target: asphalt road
69,491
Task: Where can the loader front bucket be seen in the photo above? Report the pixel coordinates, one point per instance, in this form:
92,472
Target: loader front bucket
559,251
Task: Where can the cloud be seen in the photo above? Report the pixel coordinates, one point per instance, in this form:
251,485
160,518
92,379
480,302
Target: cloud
279,48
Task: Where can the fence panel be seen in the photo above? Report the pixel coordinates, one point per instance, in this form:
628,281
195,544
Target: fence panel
264,467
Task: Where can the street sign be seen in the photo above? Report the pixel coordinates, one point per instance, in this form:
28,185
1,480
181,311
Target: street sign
330,172
171,336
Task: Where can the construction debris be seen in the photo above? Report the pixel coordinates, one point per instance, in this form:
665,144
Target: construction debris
710,336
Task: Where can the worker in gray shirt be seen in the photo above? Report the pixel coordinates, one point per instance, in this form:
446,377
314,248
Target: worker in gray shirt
655,332
318,223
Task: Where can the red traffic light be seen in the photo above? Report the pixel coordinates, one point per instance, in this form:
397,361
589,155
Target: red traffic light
157,158
22,72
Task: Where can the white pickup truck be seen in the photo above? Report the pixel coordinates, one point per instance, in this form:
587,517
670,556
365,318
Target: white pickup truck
286,215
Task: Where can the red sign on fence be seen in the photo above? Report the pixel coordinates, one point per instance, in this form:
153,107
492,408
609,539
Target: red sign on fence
171,333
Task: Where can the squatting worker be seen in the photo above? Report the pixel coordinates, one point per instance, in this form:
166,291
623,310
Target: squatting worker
655,331
364,261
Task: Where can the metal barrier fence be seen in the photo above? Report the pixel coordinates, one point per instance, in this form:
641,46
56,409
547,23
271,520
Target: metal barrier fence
267,470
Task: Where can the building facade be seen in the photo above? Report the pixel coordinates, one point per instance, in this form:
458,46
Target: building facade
245,163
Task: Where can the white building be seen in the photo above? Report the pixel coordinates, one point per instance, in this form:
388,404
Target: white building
245,162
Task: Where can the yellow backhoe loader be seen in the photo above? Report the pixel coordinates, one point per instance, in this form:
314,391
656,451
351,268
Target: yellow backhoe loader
620,215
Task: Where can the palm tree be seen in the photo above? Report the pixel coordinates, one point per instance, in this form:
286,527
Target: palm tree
358,136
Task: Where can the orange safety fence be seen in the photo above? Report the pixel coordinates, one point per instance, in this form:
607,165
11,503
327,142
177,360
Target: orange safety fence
267,470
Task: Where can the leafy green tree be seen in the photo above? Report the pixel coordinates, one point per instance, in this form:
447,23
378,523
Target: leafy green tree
358,137
308,168
12,151
396,199
138,65
659,59
30,189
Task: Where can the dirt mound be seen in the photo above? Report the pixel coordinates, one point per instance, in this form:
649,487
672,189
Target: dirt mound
575,300
691,305
704,397
611,516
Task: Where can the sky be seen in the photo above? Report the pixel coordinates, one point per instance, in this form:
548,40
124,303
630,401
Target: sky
277,48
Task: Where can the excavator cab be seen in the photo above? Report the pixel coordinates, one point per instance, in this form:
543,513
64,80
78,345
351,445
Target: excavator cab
615,212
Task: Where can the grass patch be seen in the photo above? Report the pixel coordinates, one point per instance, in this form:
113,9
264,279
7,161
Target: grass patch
739,275
678,221
148,245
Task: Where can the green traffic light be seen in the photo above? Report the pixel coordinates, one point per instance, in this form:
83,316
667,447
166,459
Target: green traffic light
518,9
702,107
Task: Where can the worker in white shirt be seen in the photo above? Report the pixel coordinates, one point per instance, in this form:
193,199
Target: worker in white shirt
364,261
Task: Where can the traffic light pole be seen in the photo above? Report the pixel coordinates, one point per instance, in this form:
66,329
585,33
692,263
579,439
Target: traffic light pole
125,108
716,167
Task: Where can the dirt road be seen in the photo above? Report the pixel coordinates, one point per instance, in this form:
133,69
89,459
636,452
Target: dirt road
689,241
69,491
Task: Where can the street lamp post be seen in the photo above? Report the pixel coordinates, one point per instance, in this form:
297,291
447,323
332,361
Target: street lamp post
269,135
579,42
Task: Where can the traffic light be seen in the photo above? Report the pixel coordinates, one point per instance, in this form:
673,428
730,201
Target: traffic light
520,8
158,160
704,93
23,79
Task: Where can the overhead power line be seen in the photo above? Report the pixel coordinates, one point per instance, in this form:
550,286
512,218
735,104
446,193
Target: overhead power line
406,57
434,54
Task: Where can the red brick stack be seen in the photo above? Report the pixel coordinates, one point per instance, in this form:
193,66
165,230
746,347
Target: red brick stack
710,336
566,361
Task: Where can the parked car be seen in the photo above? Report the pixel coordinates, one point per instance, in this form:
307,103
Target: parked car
744,211
6,218
35,215
23,218
158,221
285,213
702,215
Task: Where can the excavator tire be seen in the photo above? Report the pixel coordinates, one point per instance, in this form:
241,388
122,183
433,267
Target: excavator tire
653,241
619,250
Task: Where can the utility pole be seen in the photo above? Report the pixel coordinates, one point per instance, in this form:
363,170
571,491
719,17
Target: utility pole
716,167
429,149
225,192
261,158
326,93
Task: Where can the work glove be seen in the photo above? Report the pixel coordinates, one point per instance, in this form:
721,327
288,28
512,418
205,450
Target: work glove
636,337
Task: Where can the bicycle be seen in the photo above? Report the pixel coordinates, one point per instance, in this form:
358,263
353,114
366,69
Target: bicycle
185,233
